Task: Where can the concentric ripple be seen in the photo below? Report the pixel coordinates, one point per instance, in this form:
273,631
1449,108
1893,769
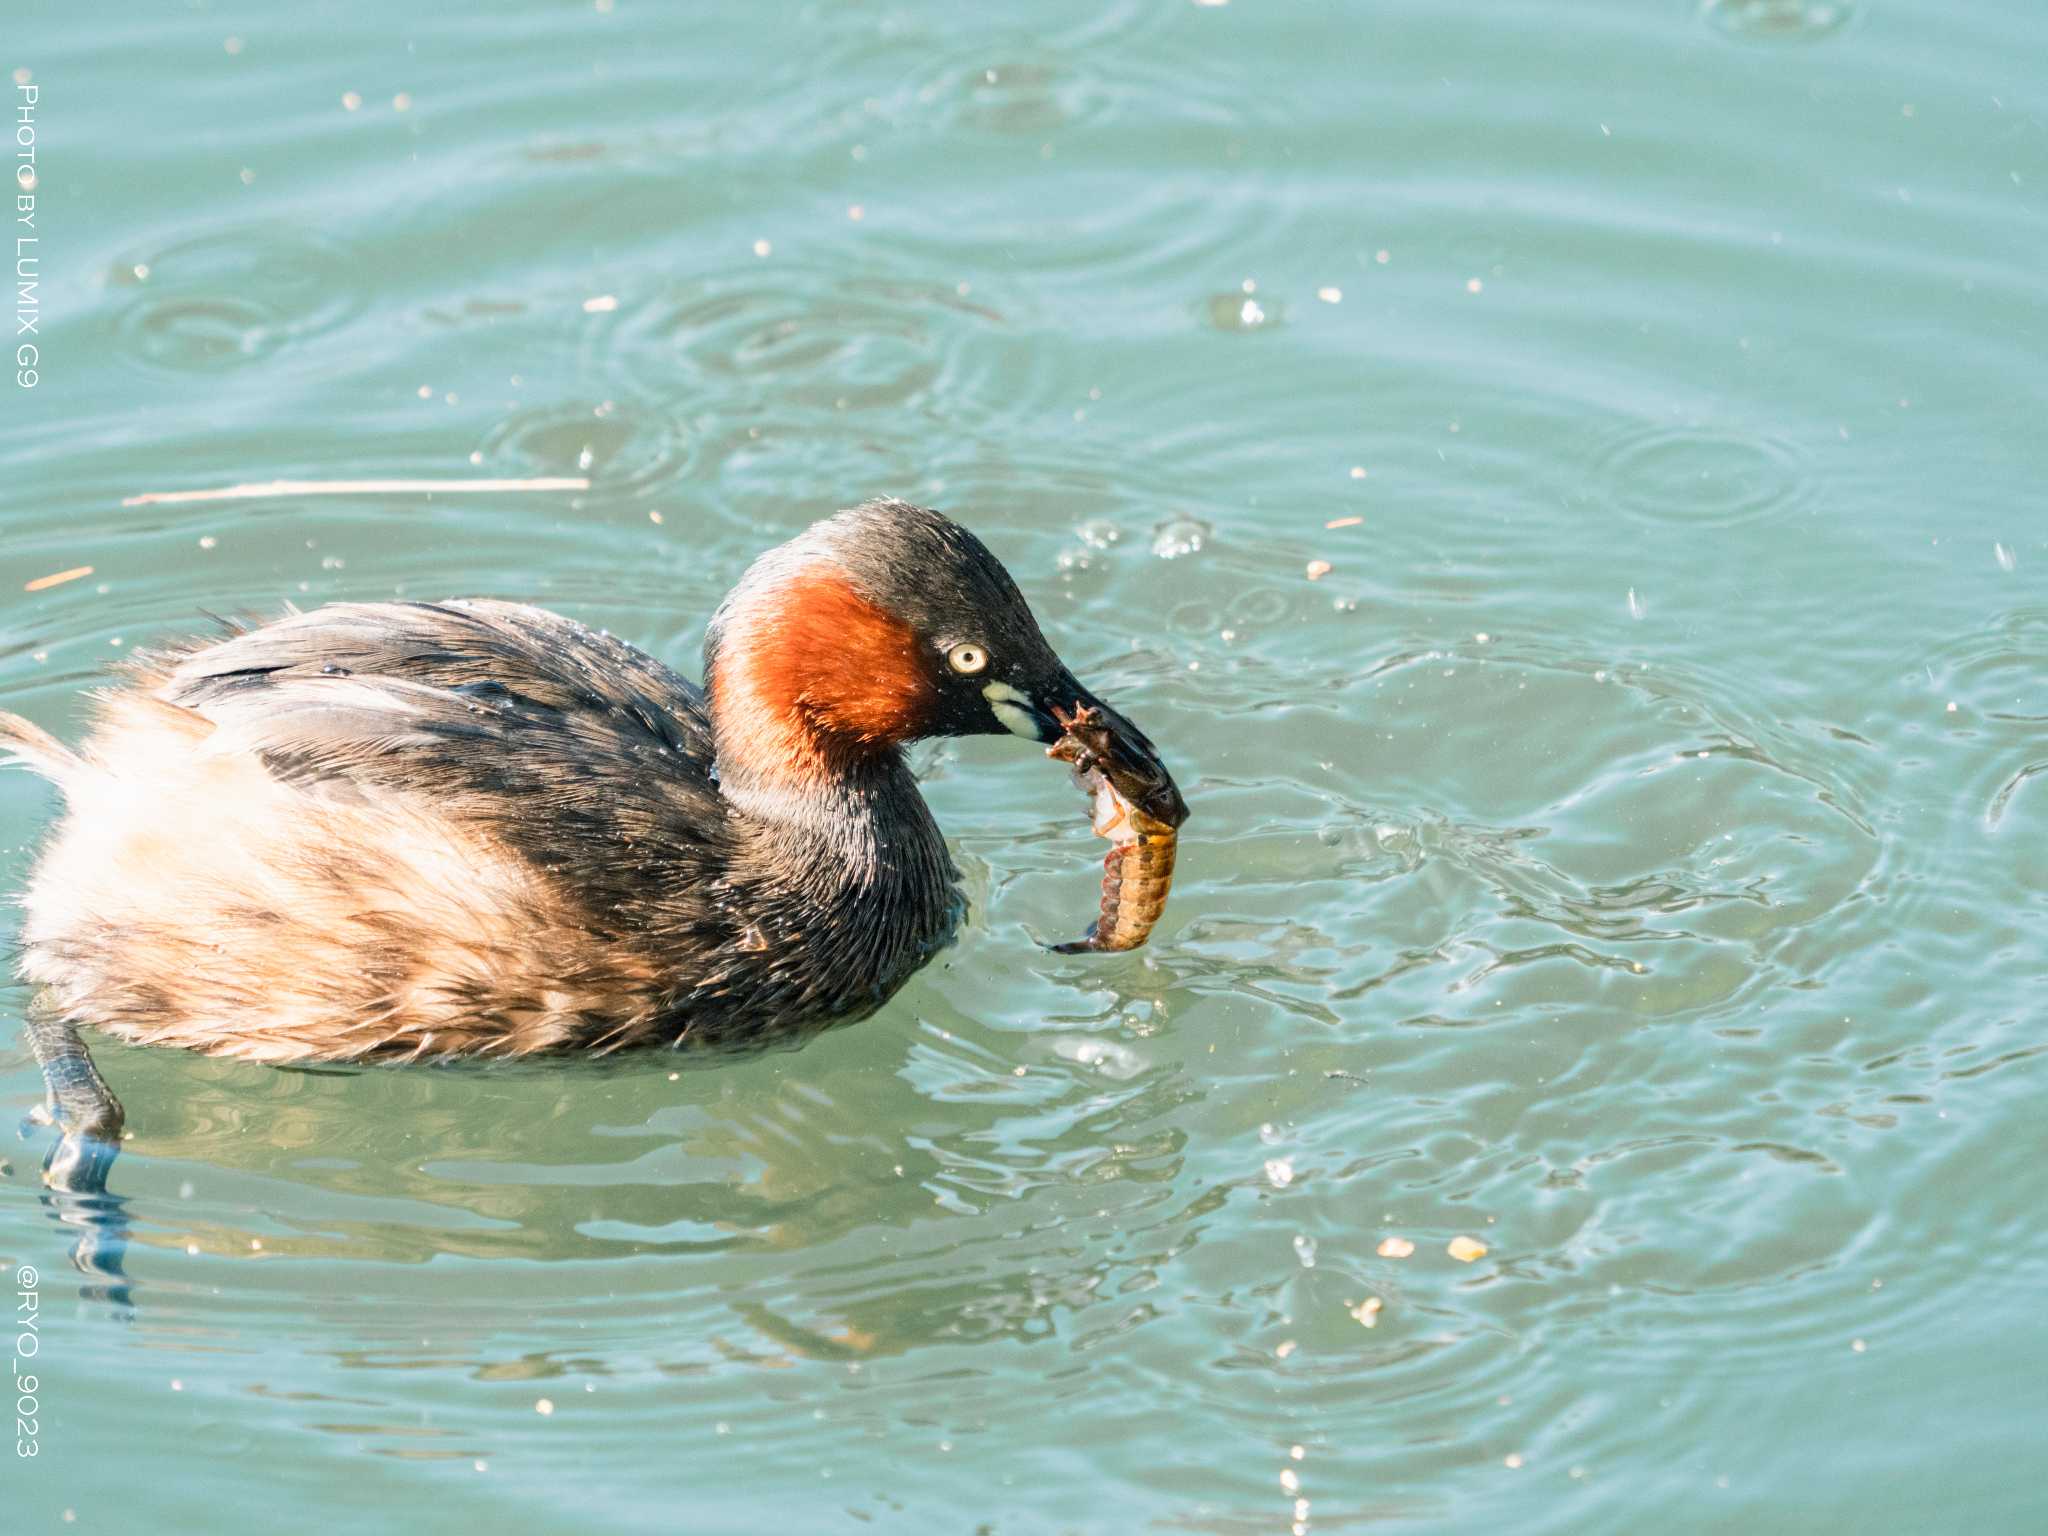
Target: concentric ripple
1986,694
234,299
620,447
818,339
1702,476
1022,96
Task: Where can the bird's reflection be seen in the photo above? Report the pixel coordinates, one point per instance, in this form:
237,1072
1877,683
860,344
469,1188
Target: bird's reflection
76,1195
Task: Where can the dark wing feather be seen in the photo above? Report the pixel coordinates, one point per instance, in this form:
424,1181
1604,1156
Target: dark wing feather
566,744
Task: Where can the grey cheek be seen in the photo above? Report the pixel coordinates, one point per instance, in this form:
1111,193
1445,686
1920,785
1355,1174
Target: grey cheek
1008,706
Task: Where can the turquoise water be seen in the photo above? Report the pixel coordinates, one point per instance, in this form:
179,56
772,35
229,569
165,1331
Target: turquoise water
1561,483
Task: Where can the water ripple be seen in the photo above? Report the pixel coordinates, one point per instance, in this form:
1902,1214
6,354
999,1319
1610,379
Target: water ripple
235,298
815,338
623,448
1702,476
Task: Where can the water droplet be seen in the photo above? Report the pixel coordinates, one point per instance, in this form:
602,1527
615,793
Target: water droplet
1242,312
1771,21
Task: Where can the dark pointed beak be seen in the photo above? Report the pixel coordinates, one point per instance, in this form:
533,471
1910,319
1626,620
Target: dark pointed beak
1131,764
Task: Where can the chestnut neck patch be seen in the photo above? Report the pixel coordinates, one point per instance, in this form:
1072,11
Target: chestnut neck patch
811,677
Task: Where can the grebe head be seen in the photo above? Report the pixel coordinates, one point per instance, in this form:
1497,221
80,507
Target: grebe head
882,625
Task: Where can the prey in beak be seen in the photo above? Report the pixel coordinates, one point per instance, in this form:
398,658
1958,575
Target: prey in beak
1074,723
1137,807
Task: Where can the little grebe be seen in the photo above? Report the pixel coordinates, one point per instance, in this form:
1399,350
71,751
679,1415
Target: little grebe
410,829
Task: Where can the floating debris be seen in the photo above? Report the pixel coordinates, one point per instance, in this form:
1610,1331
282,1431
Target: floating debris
266,488
1466,1249
56,579
1318,569
1396,1248
1367,1312
1344,522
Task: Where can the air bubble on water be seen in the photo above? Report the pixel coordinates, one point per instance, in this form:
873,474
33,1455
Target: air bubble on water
1305,1250
1099,533
1280,1171
1179,536
1109,1057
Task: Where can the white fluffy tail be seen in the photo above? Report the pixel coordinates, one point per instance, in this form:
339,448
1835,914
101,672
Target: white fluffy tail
26,744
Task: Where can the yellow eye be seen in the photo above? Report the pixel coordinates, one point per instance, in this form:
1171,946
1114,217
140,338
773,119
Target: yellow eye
967,659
